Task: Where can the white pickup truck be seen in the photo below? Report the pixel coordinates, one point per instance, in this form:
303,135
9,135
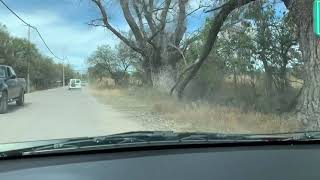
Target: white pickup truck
75,84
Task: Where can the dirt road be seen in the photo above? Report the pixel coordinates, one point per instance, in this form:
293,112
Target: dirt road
59,113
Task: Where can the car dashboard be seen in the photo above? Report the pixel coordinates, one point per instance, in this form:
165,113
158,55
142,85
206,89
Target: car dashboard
292,162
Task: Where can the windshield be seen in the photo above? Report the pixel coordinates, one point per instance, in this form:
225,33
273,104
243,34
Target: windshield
197,66
2,72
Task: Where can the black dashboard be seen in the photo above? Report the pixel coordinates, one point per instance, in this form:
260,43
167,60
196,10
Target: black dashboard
293,162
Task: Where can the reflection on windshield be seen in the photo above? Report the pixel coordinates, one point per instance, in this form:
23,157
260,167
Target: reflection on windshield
183,66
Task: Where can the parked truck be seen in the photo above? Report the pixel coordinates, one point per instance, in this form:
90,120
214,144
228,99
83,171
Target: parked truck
11,88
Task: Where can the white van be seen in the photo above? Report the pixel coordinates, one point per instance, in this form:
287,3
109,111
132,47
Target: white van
75,84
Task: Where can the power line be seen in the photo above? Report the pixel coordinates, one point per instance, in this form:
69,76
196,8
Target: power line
33,27
14,13
44,42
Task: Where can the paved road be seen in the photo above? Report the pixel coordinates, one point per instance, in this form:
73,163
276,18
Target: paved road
59,113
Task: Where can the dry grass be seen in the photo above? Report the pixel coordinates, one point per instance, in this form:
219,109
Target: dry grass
231,120
193,116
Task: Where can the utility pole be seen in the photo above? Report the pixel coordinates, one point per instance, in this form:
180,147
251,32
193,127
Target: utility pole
28,61
63,78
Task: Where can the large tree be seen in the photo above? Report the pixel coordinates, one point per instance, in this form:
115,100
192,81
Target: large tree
308,104
158,44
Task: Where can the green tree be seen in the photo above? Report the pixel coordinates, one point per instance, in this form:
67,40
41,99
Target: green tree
115,63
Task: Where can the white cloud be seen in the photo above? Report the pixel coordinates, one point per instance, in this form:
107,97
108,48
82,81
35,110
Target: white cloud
65,38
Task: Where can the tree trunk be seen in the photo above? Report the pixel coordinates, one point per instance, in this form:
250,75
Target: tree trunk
146,76
235,78
268,77
158,73
116,82
164,79
268,82
253,85
308,104
284,84
162,70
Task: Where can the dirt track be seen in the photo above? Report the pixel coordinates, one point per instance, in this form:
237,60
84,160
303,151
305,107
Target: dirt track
59,113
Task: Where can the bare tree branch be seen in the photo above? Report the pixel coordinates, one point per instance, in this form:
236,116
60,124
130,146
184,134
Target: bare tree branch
93,23
139,15
195,10
188,68
164,13
192,38
113,30
216,8
180,28
180,51
131,22
148,15
156,33
163,22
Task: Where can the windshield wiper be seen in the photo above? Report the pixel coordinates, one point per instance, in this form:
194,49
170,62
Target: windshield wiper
148,138
294,136
110,141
